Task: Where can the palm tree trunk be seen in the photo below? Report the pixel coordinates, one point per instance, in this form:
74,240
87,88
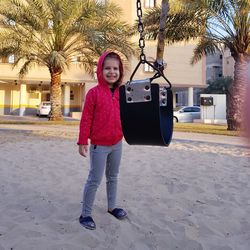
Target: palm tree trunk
236,94
247,113
56,97
161,36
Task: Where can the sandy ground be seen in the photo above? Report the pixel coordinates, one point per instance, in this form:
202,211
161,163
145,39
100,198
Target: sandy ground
192,195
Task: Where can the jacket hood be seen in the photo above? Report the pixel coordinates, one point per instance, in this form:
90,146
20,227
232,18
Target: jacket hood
101,80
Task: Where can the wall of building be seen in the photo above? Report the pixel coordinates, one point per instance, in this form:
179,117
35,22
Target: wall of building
75,98
181,97
214,66
228,65
33,99
179,70
76,73
10,98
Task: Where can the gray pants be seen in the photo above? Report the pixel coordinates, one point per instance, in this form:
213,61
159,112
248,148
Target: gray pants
101,158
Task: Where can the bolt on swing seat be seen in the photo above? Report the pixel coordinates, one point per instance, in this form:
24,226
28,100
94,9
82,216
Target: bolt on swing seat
146,111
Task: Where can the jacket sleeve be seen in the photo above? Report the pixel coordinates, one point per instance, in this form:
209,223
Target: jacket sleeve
87,118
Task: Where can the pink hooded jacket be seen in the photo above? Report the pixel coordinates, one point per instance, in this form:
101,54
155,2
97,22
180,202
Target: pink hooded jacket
100,119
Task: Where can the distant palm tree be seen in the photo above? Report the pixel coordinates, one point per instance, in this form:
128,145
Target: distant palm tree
52,33
218,25
228,26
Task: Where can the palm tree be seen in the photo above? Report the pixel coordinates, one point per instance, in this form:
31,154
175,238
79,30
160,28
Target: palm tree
179,15
182,22
162,28
218,25
52,33
228,26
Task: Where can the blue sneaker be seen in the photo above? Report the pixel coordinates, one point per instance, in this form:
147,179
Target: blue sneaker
87,222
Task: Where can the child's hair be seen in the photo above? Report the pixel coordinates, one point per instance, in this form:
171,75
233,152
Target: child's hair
113,55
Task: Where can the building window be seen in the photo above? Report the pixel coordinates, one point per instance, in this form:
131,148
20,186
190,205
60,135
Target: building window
50,24
149,3
10,22
95,72
148,68
34,95
72,96
76,59
11,59
101,1
47,98
8,59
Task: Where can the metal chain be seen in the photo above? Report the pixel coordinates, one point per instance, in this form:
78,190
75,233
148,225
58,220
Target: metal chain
140,28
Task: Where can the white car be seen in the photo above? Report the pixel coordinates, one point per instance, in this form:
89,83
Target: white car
187,113
44,108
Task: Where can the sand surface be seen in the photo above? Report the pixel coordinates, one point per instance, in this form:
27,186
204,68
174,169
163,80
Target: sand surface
192,195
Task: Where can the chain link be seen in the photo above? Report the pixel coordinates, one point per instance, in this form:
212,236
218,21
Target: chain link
140,28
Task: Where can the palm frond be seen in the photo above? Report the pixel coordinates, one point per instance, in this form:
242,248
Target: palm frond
182,25
204,47
26,68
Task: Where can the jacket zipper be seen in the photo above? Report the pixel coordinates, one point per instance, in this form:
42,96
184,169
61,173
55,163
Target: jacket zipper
113,99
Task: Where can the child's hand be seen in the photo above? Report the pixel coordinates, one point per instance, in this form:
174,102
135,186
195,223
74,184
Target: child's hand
83,150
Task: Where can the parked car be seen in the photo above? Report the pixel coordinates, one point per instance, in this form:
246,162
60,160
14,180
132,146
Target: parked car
44,108
187,113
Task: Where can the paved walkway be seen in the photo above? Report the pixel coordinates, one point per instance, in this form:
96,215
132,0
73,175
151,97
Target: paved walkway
29,118
220,139
177,136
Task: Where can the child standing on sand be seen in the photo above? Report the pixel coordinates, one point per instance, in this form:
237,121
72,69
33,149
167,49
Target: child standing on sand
101,123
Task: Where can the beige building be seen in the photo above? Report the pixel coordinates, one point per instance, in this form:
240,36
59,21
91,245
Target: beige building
214,66
21,97
228,65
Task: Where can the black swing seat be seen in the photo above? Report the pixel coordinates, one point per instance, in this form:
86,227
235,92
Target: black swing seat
146,113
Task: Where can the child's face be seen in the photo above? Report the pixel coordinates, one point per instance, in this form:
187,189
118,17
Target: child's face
110,71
